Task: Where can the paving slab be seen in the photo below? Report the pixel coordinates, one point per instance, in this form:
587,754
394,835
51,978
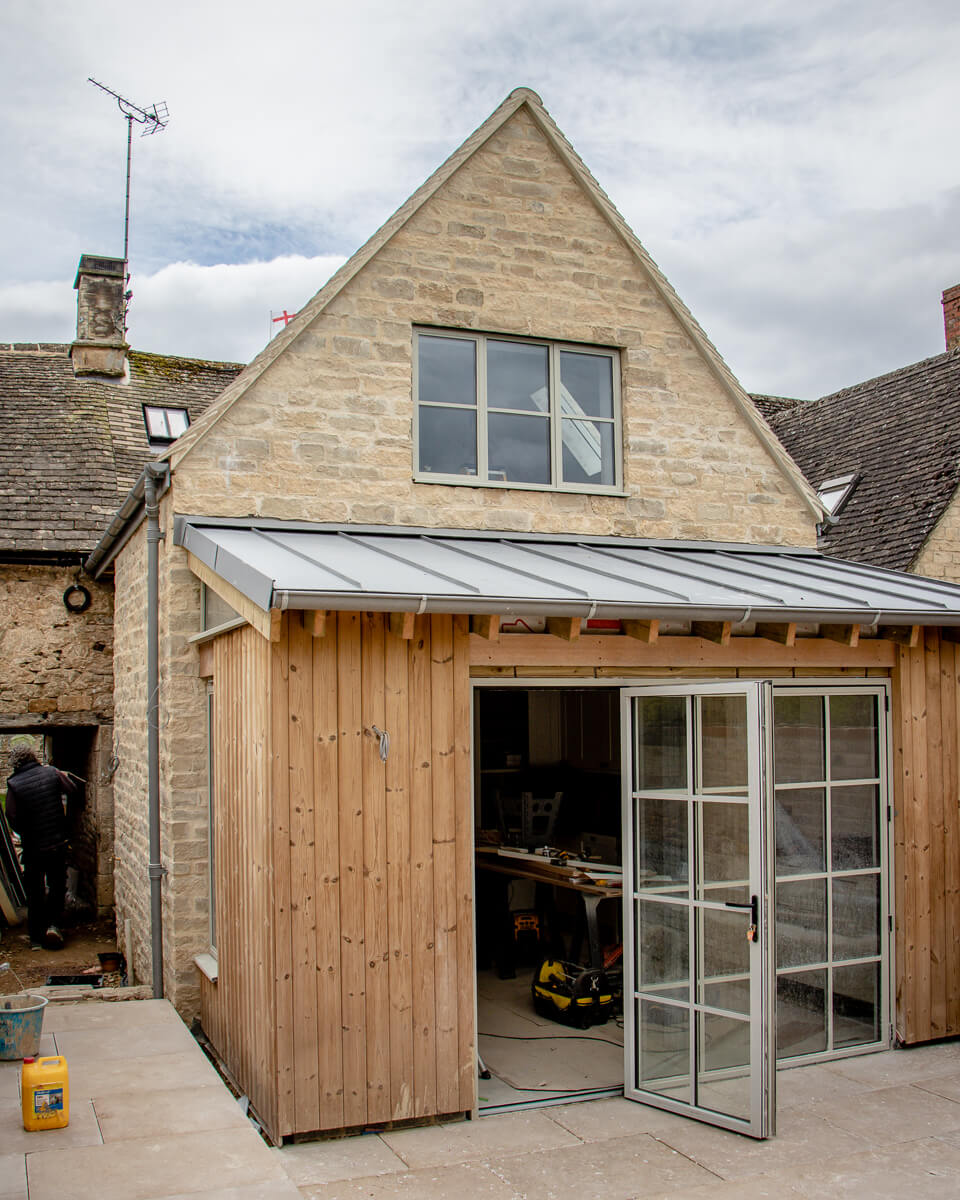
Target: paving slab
175,1110
83,1129
942,1085
807,1086
109,1015
601,1120
753,1187
9,1081
619,1169
510,1133
896,1114
153,1168
801,1137
270,1189
891,1067
469,1180
188,1067
875,1175
13,1177
137,1041
344,1158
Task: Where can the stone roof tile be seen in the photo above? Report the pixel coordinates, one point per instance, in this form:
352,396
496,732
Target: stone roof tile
71,448
900,433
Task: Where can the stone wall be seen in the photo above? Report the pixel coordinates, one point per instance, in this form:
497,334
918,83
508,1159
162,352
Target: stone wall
55,666
183,768
131,883
509,244
940,556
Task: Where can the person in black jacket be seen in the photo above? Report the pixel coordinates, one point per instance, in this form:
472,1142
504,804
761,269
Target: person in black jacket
35,809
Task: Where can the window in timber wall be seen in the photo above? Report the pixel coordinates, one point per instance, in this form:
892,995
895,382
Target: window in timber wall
509,413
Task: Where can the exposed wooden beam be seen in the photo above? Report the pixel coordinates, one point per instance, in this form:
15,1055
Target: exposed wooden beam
402,623
783,633
315,622
712,631
266,622
206,659
567,628
643,631
486,625
903,635
849,635
599,652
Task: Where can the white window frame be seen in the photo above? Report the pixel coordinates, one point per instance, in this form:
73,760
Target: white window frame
164,411
553,415
844,484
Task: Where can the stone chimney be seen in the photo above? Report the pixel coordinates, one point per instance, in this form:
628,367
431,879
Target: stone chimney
100,347
951,316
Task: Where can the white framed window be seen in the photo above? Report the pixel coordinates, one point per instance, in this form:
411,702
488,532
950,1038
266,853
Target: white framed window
522,413
165,424
834,493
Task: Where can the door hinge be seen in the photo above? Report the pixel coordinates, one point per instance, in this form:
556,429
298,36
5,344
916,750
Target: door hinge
890,922
889,812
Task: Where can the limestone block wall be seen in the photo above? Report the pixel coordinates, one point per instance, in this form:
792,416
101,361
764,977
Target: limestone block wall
183,767
53,664
131,884
940,557
509,244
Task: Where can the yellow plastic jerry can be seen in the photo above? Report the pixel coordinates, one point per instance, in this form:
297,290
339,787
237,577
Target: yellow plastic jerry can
45,1093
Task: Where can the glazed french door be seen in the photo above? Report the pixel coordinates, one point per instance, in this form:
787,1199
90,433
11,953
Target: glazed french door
699,976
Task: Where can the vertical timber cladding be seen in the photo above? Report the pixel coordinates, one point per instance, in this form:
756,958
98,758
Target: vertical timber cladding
926,690
374,950
238,1011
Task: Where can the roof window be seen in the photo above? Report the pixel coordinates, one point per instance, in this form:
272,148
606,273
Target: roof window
833,494
165,424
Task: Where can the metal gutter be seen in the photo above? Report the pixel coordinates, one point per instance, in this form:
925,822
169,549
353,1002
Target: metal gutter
155,869
125,520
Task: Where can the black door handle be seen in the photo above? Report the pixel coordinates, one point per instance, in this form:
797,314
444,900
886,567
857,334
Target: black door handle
753,908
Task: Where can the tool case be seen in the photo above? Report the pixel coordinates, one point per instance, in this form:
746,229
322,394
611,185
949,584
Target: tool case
574,994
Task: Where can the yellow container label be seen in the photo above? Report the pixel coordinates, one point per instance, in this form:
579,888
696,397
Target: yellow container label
45,1094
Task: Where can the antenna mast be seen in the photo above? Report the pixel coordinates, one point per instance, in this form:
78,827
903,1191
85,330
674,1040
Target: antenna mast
153,119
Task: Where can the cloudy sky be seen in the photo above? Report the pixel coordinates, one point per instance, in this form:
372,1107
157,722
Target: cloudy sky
793,168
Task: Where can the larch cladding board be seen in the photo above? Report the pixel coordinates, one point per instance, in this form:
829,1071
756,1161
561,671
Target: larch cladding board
926,695
239,1011
366,895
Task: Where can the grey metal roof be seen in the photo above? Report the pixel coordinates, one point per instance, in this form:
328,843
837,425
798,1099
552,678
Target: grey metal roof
310,566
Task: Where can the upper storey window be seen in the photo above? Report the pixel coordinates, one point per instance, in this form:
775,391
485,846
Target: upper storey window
532,414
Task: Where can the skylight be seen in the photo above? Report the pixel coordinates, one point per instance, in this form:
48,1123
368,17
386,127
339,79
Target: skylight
165,424
834,493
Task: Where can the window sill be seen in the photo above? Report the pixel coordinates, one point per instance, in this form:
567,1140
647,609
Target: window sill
563,489
207,965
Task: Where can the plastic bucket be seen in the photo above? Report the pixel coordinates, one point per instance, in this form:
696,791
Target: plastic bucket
21,1020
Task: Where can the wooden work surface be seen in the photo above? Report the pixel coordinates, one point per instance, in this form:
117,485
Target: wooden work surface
534,866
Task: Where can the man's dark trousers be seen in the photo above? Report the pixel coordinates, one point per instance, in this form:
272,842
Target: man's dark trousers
45,881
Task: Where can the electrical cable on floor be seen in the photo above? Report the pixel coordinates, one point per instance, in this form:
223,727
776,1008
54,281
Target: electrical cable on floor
552,1037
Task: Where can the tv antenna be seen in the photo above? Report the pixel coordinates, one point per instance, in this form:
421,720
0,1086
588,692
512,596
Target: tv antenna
152,120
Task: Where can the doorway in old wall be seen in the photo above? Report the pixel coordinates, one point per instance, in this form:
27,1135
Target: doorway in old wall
548,893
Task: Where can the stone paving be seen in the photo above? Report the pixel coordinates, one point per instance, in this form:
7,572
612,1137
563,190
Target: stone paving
150,1120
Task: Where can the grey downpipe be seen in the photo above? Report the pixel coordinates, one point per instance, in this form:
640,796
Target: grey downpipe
156,871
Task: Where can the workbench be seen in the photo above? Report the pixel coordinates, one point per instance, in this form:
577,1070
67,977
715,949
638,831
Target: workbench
541,870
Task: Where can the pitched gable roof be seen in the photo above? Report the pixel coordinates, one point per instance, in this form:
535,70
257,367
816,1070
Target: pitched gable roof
71,448
519,98
900,433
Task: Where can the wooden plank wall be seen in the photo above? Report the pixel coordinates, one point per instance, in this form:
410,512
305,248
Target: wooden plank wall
926,690
374,950
238,1012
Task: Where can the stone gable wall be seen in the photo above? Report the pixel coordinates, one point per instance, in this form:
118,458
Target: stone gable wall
509,244
940,556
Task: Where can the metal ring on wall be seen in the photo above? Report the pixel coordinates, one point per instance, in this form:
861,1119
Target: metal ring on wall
76,598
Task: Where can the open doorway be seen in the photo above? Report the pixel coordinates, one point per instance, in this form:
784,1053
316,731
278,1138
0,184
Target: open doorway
548,818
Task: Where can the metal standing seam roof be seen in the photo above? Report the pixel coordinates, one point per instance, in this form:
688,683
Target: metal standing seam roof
278,564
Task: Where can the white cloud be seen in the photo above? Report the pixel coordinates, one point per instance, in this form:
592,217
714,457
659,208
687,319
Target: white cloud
788,165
